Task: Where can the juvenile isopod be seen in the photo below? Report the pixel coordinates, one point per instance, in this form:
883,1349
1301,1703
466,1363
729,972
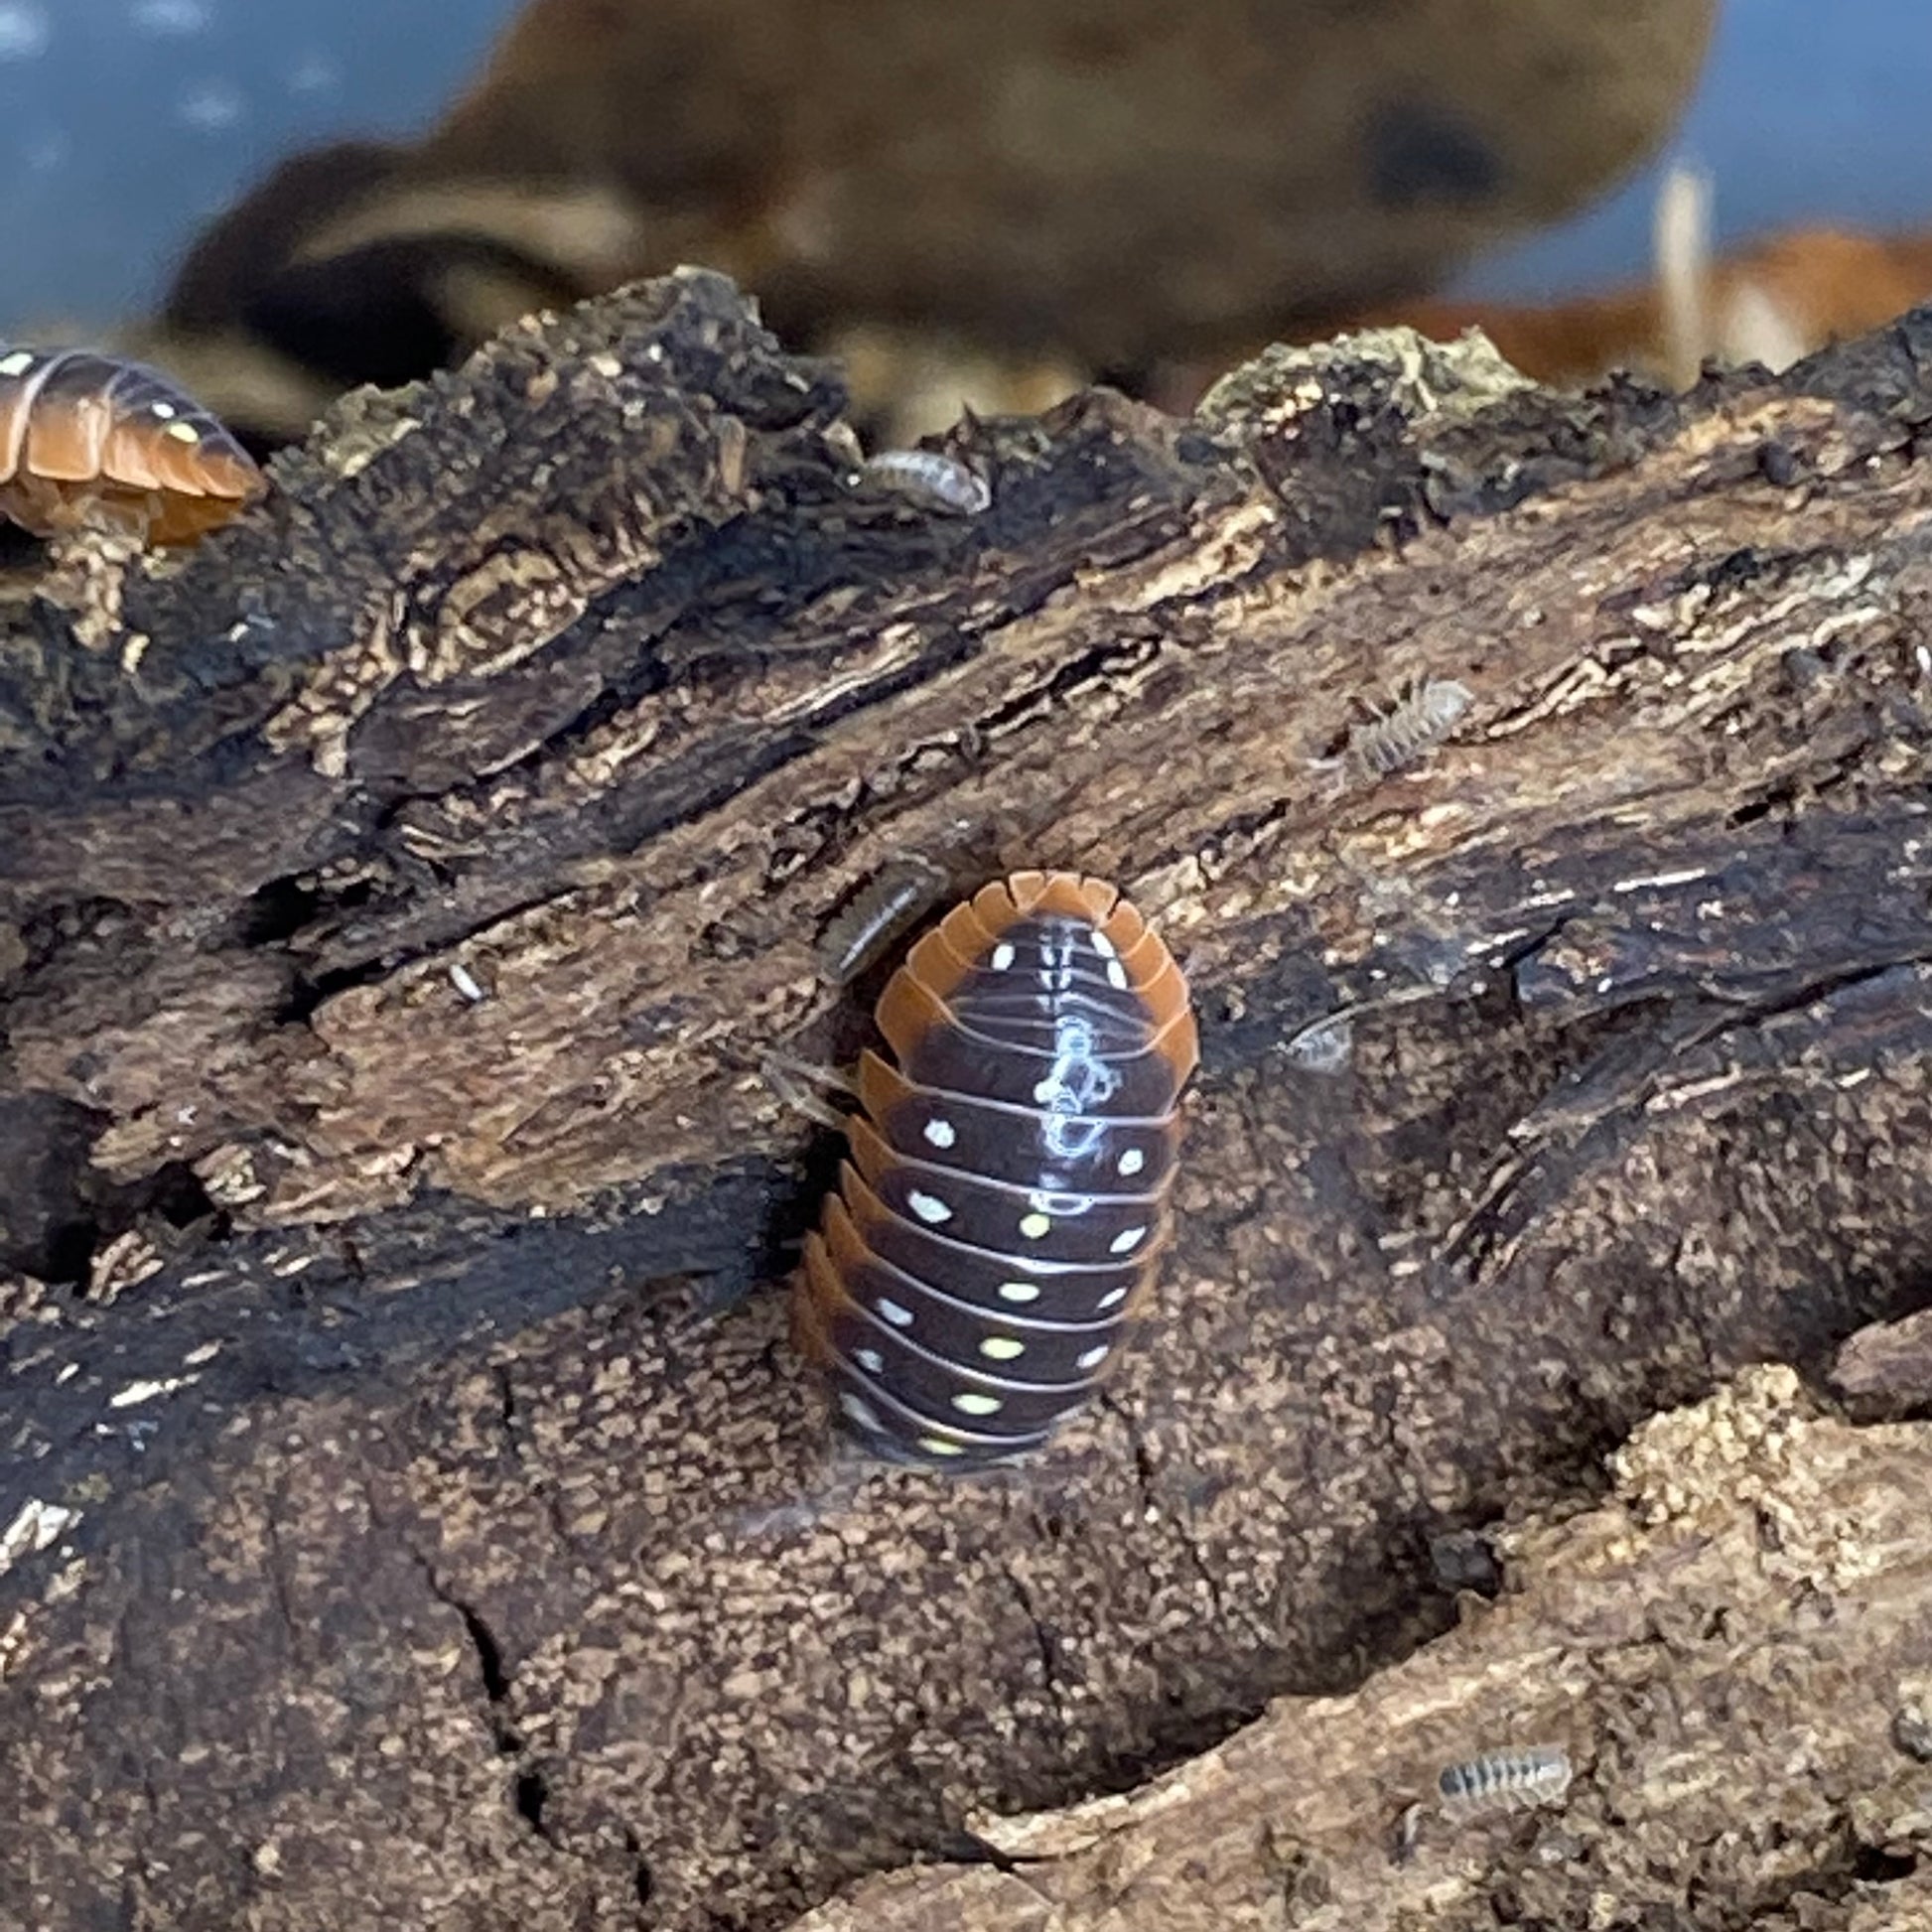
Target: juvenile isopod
1323,1047
930,480
92,442
999,1223
1531,1774
883,908
1425,711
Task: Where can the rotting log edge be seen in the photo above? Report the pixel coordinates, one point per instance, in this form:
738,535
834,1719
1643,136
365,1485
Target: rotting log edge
1809,1691
585,672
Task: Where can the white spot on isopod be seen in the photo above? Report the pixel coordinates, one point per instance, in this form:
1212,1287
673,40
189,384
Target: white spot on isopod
900,1317
1116,975
18,363
1111,1297
1093,1357
940,1133
1019,1292
1002,1348
165,411
1001,957
1130,1162
929,1207
859,1409
868,1359
1126,1241
1104,946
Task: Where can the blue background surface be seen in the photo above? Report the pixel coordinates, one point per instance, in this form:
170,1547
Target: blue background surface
124,124
1808,112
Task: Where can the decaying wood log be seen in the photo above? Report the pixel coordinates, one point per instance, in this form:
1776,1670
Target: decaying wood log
412,1512
1730,1654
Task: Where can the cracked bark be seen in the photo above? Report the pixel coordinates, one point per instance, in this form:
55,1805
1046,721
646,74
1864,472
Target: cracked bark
585,680
1730,1649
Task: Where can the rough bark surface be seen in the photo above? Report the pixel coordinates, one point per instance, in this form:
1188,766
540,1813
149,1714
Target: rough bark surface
412,1512
1734,1654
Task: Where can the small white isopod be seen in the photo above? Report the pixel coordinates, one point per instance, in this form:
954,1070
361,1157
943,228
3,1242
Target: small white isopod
930,480
1529,1775
1425,711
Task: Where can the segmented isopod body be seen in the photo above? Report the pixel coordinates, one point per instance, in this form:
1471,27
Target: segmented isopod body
89,441
888,905
1424,714
1533,1774
930,480
1000,1219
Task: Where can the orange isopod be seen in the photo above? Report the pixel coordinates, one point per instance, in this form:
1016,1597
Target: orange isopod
89,441
998,1225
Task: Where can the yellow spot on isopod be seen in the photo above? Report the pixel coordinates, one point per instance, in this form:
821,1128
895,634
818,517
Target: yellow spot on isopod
973,1404
183,432
1035,1227
1002,1348
938,1446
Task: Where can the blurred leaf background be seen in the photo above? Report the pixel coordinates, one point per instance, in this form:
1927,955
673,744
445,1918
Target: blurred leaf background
989,206
125,125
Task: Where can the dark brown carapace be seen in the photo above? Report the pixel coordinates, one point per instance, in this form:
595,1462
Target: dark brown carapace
1001,1216
92,442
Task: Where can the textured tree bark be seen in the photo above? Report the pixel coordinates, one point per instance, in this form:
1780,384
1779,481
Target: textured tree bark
1729,1654
412,1512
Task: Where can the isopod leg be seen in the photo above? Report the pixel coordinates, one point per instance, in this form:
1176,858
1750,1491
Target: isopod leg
801,1086
1333,772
